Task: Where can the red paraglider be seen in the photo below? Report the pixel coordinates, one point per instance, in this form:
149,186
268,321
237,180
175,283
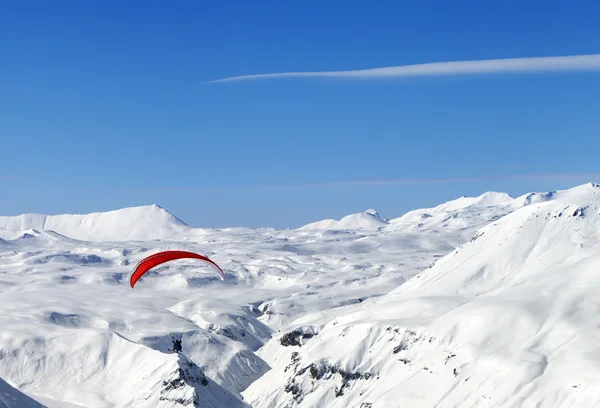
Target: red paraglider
156,259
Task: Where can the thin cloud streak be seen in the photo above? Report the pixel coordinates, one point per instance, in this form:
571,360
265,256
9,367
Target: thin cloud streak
584,63
14,178
591,177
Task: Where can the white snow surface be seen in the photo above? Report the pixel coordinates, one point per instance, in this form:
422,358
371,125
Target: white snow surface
134,223
369,219
480,302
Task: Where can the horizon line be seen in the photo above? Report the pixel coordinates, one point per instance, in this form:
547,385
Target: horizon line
586,62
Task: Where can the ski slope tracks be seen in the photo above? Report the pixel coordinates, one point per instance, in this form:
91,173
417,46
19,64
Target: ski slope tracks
508,319
365,310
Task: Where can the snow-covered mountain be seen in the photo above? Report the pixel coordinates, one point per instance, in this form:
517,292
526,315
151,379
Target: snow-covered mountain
508,319
134,223
462,213
458,214
481,301
369,219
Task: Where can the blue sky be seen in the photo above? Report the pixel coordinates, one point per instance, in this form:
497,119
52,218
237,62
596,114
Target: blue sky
104,105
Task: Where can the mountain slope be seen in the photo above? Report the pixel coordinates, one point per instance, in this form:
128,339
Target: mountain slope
10,397
107,370
315,317
465,212
369,219
75,334
509,319
133,223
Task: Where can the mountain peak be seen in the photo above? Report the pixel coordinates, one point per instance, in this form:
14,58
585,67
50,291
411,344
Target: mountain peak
369,219
129,223
373,213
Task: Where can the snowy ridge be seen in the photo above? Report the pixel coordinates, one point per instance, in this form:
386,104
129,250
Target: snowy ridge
6,234
462,215
458,214
134,223
369,219
488,199
125,374
508,319
495,306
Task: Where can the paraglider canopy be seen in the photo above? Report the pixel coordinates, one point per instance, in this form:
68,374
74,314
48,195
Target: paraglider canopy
161,257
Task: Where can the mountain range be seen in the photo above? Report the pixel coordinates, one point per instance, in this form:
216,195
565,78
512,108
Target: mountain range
478,302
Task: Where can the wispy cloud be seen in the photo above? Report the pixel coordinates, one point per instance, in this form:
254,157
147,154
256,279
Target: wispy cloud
13,178
553,177
511,65
448,180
